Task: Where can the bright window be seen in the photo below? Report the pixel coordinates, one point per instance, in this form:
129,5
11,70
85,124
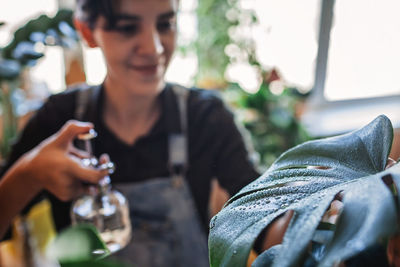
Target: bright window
356,69
286,38
364,52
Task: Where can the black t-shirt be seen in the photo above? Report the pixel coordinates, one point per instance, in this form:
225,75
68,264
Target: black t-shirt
216,147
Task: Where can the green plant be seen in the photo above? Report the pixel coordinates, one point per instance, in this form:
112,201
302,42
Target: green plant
80,245
270,118
353,163
22,52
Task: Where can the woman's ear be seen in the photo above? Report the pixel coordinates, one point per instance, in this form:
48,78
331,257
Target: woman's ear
86,32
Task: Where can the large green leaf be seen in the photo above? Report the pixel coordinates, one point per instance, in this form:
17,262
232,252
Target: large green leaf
81,246
353,163
78,243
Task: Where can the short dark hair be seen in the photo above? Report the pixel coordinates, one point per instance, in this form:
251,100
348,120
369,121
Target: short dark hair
90,10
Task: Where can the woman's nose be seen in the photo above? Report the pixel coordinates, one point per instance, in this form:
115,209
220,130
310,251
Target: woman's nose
150,43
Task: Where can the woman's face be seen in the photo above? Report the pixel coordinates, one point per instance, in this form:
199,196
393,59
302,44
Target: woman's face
139,48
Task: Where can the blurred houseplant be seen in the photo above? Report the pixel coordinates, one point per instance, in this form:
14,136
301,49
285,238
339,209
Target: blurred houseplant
34,234
75,245
225,40
22,53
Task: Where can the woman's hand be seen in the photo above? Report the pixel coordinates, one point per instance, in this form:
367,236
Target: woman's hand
55,164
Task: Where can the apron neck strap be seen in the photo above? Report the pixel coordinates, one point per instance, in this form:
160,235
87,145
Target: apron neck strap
177,142
85,105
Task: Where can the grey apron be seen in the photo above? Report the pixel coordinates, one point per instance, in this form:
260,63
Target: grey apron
166,229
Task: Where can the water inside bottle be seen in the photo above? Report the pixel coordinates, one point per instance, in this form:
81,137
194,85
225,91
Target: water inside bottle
108,211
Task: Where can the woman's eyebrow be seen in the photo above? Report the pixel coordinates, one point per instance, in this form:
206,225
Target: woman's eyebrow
167,15
123,16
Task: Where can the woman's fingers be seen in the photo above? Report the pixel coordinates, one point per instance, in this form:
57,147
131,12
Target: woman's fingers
57,166
392,251
104,158
332,214
85,173
276,230
69,131
81,154
66,188
390,162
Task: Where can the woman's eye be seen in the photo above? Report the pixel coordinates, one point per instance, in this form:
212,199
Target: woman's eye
166,26
127,29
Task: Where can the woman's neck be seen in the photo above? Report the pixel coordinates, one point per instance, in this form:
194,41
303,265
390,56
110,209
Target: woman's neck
129,115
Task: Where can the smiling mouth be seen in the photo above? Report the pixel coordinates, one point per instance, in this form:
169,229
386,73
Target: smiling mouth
145,69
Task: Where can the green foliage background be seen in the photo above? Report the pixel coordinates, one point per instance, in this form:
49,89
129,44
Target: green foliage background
270,119
21,53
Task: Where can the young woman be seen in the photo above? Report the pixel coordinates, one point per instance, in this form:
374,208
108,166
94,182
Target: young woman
167,142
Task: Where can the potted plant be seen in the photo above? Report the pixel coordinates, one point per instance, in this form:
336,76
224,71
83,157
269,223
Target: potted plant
223,40
305,180
78,245
22,53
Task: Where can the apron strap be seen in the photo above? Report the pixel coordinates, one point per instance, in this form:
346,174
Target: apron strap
177,142
85,100
82,100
